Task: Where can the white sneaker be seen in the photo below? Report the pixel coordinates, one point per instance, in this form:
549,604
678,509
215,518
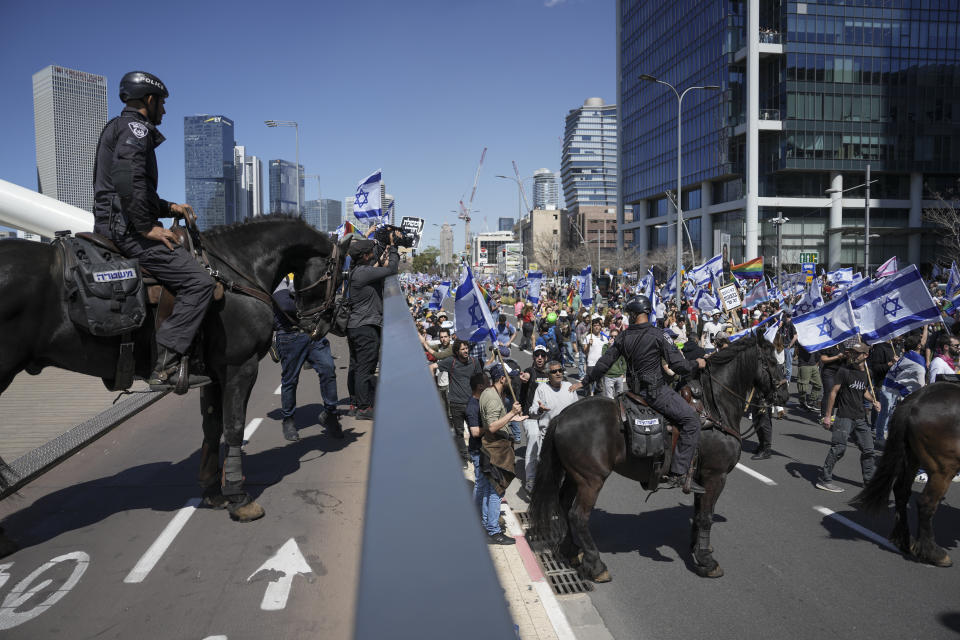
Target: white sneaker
921,477
956,478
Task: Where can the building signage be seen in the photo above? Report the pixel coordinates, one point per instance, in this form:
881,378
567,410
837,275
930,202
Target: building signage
809,269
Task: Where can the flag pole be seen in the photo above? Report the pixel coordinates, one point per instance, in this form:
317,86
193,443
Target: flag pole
509,385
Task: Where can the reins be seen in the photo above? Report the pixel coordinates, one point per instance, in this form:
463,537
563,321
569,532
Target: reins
746,400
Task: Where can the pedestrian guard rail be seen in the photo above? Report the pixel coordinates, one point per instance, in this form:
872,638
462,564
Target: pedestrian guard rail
425,569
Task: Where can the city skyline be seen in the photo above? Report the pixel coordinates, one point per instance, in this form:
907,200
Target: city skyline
342,140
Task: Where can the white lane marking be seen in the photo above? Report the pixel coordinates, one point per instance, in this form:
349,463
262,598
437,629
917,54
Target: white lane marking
558,619
149,560
876,537
215,638
251,429
20,593
759,476
277,392
288,561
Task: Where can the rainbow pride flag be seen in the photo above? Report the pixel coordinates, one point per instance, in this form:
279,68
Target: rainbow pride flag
749,269
570,298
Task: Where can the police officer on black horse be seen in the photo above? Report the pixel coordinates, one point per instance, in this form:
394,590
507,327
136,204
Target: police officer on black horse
643,345
127,210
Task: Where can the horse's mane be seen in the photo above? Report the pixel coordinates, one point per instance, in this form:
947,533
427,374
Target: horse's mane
729,354
257,223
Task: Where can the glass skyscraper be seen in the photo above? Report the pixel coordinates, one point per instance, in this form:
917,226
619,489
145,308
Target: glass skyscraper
249,183
283,192
331,213
69,112
546,194
811,93
208,153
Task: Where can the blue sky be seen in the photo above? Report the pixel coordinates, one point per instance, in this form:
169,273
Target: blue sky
417,88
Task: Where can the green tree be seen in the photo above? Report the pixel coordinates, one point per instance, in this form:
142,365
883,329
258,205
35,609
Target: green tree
426,260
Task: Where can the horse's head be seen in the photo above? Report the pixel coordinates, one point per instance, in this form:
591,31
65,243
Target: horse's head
315,289
767,379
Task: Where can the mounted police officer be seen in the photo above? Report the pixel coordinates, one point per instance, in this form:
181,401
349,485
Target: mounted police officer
127,210
644,346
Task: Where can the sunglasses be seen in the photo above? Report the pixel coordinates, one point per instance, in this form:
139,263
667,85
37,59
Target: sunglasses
556,370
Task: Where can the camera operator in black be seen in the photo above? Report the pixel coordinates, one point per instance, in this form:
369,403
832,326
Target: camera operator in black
127,210
644,346
366,314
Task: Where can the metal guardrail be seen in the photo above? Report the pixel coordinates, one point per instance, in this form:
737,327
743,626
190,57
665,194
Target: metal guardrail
425,570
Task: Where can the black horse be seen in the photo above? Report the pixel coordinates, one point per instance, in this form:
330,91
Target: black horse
924,432
36,330
585,444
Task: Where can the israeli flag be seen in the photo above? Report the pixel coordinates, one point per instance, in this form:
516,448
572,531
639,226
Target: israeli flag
757,295
670,289
366,202
774,327
827,325
473,319
708,270
648,287
893,306
706,302
953,282
439,295
841,277
534,281
813,299
586,287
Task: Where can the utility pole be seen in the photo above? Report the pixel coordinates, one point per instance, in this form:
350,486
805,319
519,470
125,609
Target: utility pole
866,227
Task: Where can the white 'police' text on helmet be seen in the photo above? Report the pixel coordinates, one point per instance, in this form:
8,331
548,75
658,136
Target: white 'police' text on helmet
137,84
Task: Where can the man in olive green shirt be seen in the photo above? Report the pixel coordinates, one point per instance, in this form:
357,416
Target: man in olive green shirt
497,447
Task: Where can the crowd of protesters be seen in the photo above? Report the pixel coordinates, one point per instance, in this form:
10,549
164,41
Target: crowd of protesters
850,389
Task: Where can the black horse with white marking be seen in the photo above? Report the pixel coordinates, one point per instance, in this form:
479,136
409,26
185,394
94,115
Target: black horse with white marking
585,444
36,330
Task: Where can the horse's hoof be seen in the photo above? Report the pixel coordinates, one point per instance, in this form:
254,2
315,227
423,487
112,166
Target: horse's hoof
603,576
944,562
215,500
247,513
576,560
716,572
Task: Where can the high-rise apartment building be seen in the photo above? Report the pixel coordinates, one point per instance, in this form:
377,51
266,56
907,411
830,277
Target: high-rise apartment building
209,173
446,244
249,183
69,112
810,94
505,224
313,213
331,214
389,206
546,194
283,189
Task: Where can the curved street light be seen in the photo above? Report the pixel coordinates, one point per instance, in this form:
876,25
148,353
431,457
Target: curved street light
296,128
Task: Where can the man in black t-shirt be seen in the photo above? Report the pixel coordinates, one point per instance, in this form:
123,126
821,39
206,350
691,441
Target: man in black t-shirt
848,393
831,359
809,386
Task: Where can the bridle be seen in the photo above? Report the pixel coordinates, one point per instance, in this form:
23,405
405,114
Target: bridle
746,400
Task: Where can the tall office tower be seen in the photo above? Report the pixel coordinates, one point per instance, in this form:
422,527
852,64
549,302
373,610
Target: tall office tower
208,169
348,212
313,214
283,192
249,183
389,206
588,168
69,112
546,195
331,213
810,95
505,224
446,244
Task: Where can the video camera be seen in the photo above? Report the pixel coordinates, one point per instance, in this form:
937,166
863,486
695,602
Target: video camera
382,236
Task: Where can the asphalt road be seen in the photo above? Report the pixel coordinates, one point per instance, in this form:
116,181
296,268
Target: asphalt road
112,546
796,567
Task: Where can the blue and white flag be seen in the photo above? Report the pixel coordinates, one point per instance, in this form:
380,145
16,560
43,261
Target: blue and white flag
670,289
811,300
893,306
757,295
841,277
826,326
473,319
705,272
771,332
953,282
648,287
366,202
586,287
439,295
534,281
705,302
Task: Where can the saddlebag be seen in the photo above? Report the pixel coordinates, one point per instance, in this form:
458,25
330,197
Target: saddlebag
104,291
644,429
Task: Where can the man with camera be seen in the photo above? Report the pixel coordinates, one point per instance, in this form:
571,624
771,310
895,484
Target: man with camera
366,311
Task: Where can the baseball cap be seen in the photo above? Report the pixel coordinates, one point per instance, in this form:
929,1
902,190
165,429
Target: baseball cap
497,371
360,247
542,348
857,346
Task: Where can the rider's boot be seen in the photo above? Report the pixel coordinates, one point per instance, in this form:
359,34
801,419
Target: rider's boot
680,481
166,372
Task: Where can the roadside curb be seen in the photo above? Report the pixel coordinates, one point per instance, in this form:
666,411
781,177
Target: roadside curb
37,462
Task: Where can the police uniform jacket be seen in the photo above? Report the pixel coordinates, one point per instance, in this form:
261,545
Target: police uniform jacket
643,346
125,176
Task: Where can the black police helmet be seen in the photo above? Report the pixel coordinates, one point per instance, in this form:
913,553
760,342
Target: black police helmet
139,84
638,304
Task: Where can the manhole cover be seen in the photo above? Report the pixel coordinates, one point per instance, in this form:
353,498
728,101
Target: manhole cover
562,578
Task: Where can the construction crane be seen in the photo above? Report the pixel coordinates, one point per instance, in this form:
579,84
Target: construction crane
465,209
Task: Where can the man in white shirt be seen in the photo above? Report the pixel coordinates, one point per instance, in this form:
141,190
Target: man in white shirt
946,360
710,329
548,401
593,344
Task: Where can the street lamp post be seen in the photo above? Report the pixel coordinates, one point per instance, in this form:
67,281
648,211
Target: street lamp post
780,221
679,95
296,129
866,218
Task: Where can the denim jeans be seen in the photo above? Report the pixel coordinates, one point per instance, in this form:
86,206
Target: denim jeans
838,446
888,402
295,348
485,498
581,364
566,350
788,364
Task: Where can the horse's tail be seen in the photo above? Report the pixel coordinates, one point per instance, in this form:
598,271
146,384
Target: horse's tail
876,495
547,519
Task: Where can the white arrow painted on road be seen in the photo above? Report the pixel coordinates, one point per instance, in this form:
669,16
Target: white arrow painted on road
289,562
